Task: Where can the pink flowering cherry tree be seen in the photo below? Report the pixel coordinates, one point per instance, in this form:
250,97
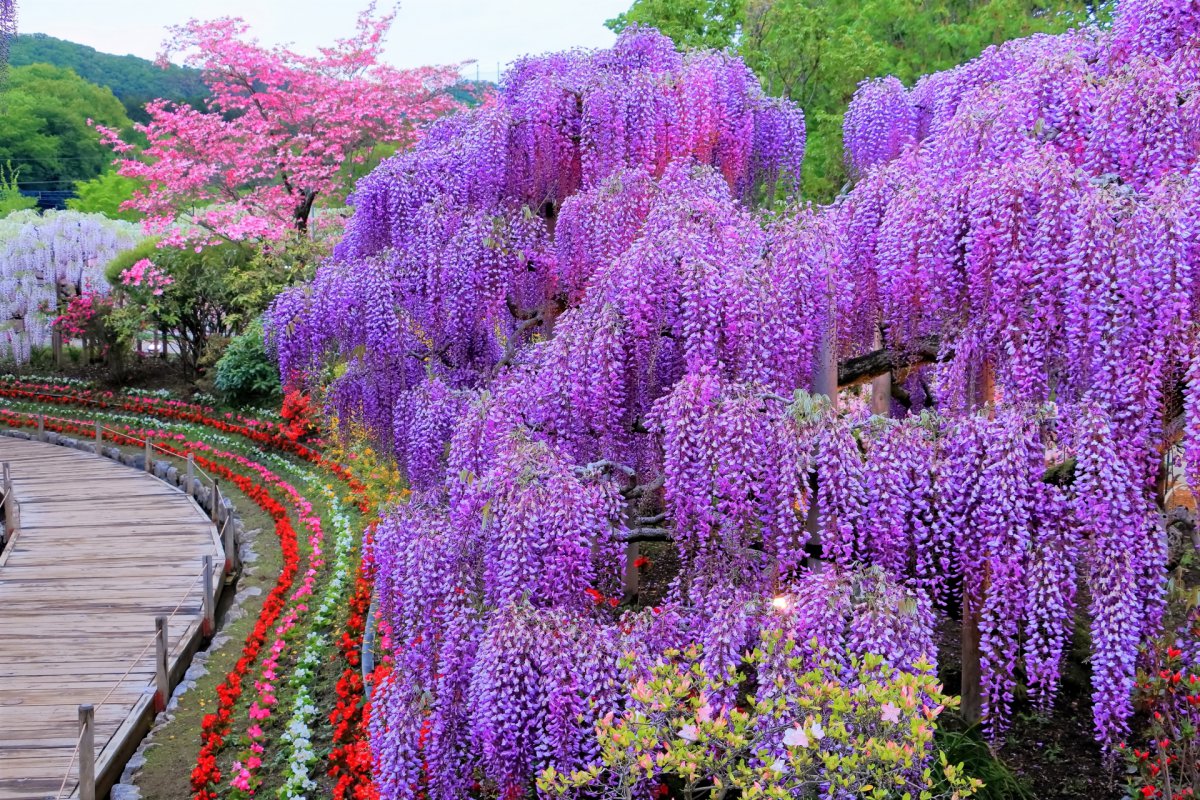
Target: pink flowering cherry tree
277,131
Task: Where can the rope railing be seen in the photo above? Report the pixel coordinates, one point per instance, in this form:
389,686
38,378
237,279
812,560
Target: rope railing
217,512
88,711
149,446
226,536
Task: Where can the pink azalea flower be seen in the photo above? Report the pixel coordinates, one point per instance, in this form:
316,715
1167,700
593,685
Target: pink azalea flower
795,737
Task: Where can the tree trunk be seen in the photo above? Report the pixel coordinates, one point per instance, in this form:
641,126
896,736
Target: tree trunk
881,387
825,381
304,210
972,667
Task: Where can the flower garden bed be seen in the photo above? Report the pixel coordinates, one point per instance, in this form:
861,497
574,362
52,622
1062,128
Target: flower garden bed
295,691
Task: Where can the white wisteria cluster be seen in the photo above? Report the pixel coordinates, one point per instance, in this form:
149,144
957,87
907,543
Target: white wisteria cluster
297,736
45,258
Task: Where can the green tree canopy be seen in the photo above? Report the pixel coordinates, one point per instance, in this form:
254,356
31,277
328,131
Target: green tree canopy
46,135
691,23
133,80
104,194
817,51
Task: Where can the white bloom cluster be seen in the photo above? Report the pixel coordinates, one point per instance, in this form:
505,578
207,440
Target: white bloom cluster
297,737
43,256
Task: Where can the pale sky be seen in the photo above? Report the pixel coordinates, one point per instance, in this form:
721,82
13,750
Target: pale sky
490,32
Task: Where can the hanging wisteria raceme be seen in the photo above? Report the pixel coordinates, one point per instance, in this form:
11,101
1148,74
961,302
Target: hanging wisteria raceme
460,232
736,477
1039,225
880,123
561,313
46,259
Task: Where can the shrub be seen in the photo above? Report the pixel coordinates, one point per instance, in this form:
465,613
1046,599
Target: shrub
807,733
245,373
1167,765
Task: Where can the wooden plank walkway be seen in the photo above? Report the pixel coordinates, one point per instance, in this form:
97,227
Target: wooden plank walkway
102,549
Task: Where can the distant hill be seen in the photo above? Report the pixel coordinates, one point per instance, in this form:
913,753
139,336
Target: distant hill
134,81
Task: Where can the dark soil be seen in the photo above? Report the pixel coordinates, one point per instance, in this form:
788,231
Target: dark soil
1053,757
140,373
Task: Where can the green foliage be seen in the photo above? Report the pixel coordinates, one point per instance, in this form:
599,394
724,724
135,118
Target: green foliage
267,272
46,133
133,80
104,195
245,373
1168,689
691,23
817,51
970,750
11,198
815,736
194,306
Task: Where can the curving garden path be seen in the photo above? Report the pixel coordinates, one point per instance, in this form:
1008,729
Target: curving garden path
101,551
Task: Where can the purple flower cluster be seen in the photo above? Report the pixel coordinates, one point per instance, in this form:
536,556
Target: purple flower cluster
565,318
1040,223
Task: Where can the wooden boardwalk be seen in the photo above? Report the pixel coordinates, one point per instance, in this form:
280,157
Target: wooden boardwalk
102,549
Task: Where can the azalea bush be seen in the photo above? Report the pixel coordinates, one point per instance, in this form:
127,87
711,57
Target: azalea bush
91,318
181,291
1166,762
809,731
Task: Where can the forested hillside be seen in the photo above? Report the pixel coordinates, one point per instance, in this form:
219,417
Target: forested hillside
133,80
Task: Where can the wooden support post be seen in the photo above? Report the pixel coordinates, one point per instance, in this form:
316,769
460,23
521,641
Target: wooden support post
87,752
209,624
162,683
149,457
971,694
215,501
191,475
825,381
881,387
56,344
41,427
99,438
632,577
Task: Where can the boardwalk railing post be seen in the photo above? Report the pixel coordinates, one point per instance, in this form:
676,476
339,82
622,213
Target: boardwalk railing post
10,502
210,615
162,684
99,438
215,500
87,752
231,551
191,475
41,427
149,457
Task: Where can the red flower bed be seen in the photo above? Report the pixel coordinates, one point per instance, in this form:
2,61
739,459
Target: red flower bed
350,760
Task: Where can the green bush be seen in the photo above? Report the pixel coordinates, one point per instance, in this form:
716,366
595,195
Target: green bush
245,373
